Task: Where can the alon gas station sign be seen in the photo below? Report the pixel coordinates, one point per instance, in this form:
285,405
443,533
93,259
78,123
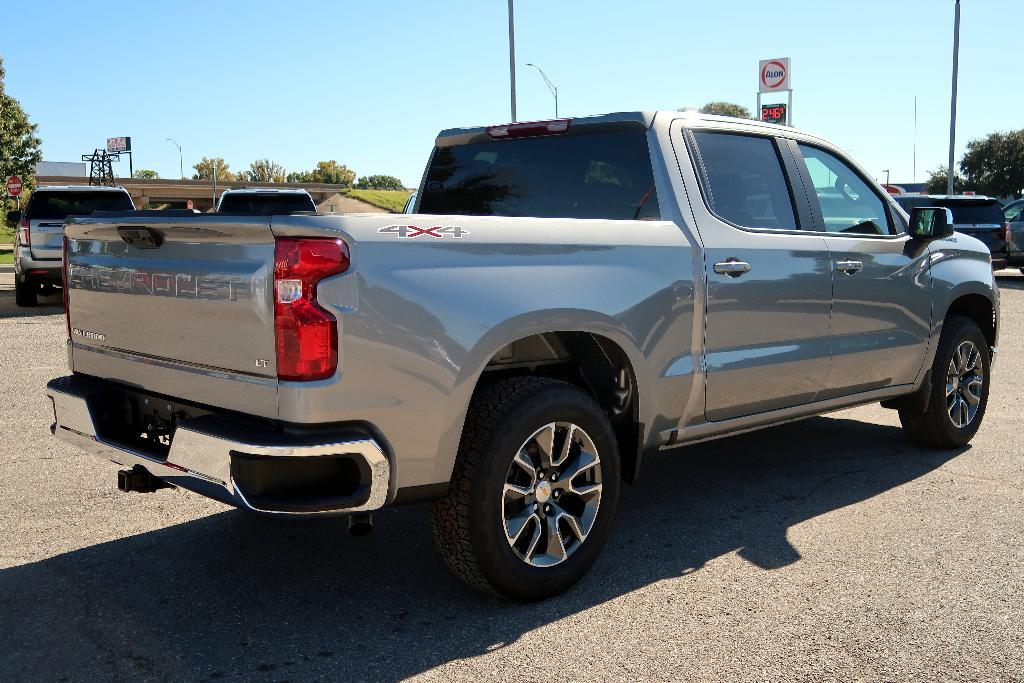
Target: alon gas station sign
774,75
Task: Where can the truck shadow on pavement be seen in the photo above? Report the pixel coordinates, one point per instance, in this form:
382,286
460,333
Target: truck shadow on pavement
231,596
48,305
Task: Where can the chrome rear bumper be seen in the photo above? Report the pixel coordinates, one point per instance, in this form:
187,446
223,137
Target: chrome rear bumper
202,451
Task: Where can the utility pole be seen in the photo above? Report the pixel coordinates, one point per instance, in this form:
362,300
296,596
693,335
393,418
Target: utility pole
181,166
216,166
952,103
886,172
512,56
915,138
551,86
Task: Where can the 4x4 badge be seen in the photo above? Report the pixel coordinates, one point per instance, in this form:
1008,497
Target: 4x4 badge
412,231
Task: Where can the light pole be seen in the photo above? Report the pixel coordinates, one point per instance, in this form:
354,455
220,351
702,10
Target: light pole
512,56
886,172
181,165
952,101
551,86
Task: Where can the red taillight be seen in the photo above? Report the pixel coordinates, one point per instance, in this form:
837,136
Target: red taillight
530,129
24,233
64,285
306,334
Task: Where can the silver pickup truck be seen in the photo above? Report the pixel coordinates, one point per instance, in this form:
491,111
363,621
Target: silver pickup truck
567,297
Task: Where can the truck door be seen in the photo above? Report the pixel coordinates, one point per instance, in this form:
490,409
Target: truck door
769,288
881,311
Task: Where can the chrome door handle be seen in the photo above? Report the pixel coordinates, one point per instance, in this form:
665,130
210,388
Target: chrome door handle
732,267
849,267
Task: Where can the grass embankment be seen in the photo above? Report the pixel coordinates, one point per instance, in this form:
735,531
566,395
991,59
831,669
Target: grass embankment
389,200
6,256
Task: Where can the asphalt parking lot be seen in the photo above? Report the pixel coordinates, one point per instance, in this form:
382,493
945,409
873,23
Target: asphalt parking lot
829,549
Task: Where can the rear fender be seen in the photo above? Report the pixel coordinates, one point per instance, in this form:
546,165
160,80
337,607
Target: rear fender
520,327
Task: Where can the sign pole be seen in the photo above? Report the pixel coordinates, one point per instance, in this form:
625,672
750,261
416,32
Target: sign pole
512,56
789,109
950,175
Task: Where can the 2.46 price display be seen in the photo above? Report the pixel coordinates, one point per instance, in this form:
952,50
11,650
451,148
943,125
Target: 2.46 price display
773,113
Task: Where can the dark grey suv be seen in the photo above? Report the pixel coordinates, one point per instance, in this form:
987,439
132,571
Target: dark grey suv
974,215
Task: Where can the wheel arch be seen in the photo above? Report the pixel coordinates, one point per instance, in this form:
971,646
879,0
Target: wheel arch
588,349
978,308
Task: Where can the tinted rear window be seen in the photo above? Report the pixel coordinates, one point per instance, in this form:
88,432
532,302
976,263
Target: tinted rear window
965,211
605,175
265,204
46,205
976,213
743,180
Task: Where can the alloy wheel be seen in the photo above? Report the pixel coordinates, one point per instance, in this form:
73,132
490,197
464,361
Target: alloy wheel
552,494
965,380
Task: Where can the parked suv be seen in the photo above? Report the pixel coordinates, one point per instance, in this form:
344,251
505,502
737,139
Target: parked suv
40,235
264,202
974,215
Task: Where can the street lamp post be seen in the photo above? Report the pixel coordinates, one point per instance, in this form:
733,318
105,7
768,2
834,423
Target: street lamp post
886,172
551,86
952,102
181,165
512,56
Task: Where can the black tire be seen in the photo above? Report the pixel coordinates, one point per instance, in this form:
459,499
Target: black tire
26,294
934,427
468,526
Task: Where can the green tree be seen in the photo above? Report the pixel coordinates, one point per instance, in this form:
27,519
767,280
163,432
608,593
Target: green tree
937,181
19,145
204,170
326,172
145,174
726,109
379,182
994,164
263,171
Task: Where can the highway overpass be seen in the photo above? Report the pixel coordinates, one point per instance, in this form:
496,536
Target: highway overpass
175,194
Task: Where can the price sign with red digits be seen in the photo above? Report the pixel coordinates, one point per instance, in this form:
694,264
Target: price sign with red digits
773,113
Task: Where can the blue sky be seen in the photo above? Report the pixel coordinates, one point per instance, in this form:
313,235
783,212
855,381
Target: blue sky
371,83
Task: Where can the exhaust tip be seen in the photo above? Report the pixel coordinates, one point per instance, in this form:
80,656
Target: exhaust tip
360,524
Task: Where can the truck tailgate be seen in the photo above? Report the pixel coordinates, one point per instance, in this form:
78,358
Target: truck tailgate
193,294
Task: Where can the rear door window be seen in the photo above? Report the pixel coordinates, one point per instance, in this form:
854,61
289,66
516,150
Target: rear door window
598,175
1014,213
58,205
743,180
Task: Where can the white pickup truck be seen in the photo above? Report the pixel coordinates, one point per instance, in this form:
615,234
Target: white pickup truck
567,297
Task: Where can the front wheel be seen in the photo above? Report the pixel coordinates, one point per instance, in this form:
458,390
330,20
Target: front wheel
534,490
960,384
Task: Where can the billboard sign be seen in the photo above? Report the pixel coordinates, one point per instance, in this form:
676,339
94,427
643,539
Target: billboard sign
774,75
115,145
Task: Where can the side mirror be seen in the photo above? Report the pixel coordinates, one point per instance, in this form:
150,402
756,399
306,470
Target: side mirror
931,222
13,217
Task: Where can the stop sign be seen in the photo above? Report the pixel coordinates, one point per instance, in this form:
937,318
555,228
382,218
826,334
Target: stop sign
14,185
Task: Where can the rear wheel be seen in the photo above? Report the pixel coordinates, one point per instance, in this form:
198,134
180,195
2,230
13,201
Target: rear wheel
25,293
959,393
534,490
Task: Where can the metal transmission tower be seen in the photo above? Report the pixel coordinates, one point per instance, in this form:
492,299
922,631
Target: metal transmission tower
100,170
